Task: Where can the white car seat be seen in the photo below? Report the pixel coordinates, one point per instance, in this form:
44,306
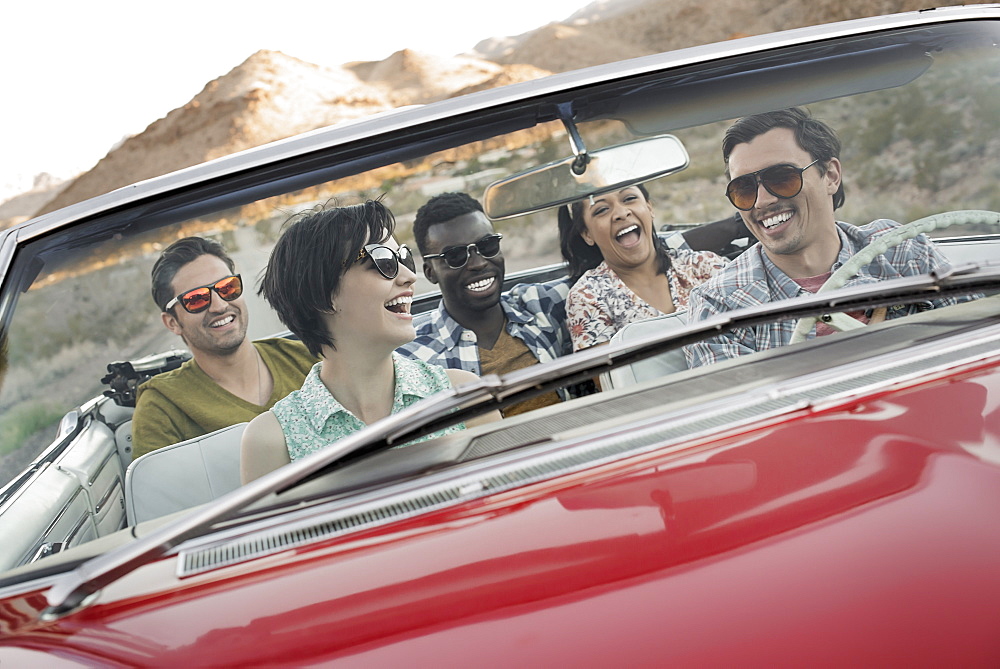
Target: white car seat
183,475
650,368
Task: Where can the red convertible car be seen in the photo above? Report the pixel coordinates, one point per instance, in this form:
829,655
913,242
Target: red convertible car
824,503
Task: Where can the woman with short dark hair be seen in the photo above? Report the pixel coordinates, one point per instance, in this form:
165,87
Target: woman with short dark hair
340,282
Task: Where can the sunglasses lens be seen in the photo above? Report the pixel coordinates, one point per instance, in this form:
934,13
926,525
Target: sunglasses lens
196,300
406,257
488,247
457,256
385,261
782,180
199,299
229,288
742,192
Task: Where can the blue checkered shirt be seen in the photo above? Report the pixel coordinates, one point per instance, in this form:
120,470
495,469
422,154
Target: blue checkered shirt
535,313
752,279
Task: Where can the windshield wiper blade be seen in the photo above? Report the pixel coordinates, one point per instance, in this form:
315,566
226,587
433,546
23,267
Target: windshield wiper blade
489,392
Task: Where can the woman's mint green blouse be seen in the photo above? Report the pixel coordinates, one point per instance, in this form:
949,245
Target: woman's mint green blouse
311,418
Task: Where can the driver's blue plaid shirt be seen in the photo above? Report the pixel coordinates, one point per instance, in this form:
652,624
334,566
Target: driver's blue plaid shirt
752,279
535,312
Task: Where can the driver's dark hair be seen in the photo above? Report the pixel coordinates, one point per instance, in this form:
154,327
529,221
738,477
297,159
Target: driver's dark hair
315,249
441,209
177,255
814,136
581,256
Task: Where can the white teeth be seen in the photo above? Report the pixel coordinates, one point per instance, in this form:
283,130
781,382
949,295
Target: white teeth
777,219
401,300
480,286
224,321
625,231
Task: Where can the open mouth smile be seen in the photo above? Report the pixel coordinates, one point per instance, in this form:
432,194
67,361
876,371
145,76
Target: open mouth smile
625,231
775,220
400,305
628,236
481,286
223,322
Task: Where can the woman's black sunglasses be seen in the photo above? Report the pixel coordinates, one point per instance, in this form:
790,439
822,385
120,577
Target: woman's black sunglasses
784,181
457,256
387,260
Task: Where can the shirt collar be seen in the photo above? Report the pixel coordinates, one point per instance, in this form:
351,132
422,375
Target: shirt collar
449,331
786,285
410,376
315,394
405,376
779,281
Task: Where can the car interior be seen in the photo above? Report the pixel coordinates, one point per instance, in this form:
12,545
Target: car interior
80,332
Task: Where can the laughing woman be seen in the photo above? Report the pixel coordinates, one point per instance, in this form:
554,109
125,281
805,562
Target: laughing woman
621,269
340,282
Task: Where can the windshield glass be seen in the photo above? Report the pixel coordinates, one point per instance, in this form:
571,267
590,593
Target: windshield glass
914,112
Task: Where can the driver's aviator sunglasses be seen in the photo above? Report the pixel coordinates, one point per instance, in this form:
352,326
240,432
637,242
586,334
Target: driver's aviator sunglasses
784,181
457,256
387,260
198,299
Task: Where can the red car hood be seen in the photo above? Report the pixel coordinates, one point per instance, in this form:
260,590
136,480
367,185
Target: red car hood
864,532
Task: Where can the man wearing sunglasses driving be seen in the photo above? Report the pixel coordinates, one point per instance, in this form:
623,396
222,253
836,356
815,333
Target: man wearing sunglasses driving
229,379
786,183
477,327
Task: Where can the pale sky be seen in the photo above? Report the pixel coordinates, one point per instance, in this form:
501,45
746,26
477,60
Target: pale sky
80,76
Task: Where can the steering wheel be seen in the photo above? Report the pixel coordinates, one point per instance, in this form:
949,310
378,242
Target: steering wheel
841,321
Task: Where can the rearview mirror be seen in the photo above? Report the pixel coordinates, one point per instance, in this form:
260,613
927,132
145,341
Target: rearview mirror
607,170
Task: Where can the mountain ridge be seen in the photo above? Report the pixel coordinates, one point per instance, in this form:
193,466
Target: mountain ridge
271,95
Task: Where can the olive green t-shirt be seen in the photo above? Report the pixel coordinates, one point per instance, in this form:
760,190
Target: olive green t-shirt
185,403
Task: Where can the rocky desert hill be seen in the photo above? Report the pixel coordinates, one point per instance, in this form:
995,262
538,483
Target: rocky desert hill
271,95
610,30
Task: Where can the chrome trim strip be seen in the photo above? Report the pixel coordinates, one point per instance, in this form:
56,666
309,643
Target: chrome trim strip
50,529
113,490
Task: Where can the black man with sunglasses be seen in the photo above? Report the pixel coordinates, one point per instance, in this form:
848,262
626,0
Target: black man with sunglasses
478,327
786,183
229,379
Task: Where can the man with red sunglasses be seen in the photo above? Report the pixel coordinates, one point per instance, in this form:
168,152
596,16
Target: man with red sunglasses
229,379
786,183
478,327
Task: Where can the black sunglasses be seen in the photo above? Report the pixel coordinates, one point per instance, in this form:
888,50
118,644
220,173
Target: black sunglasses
457,256
784,181
198,299
387,260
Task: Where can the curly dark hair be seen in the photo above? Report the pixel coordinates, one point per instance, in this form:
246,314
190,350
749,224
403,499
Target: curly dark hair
439,209
581,256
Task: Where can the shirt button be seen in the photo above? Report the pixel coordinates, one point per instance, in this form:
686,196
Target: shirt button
469,335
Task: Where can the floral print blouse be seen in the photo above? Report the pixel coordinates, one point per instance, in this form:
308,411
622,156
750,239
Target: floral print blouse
600,304
311,418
